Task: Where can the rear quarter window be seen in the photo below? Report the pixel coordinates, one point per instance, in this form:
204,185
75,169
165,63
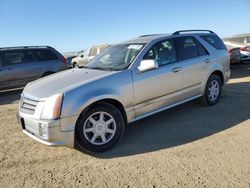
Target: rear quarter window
214,41
45,55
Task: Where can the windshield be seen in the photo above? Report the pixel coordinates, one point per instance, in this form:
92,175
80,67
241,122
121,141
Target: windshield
117,57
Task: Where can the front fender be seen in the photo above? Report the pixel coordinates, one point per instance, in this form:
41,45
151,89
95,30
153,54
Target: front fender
118,86
95,99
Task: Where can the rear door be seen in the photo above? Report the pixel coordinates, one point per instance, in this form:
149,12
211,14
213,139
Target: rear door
193,59
159,87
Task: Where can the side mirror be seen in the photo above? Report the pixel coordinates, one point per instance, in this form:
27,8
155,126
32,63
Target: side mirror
147,65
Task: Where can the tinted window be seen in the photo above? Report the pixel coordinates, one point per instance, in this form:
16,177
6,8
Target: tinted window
15,57
163,52
186,48
93,52
45,55
215,41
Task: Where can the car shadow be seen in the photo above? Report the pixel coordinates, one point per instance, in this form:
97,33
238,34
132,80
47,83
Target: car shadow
10,96
184,124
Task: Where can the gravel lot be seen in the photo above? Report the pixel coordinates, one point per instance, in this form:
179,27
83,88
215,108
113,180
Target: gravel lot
187,146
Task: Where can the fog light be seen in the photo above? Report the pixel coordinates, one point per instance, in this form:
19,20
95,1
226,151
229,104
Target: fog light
43,130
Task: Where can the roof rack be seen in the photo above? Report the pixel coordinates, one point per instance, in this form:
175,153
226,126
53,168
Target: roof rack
18,47
185,31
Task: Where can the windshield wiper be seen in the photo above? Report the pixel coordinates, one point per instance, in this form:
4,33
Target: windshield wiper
102,68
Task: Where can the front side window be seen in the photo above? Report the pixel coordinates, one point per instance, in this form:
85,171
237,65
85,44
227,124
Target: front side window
117,57
186,48
163,52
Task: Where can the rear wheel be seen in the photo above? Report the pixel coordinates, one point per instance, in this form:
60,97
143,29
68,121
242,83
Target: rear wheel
212,90
99,128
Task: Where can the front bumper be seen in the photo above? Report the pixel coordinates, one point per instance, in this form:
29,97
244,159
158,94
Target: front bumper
47,132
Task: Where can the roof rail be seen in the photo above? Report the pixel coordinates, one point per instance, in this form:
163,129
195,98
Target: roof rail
18,47
149,35
184,31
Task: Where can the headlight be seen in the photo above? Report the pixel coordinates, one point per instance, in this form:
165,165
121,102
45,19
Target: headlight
52,107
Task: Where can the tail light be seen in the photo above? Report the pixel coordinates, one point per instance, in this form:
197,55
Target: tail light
231,51
64,60
244,49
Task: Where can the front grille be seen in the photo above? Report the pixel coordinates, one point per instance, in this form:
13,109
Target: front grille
28,106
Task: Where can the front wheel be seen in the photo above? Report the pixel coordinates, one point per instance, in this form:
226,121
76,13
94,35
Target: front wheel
212,90
99,128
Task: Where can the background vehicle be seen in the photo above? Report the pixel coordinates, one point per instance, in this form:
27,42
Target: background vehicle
69,56
90,107
245,53
86,56
242,42
21,65
235,55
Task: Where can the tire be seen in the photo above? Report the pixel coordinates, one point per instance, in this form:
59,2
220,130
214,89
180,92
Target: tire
92,128
74,65
212,91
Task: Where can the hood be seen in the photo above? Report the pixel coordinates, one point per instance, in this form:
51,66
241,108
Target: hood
62,82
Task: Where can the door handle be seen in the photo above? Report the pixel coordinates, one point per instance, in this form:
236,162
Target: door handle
207,60
176,69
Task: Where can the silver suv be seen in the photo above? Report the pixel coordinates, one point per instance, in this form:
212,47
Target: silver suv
90,107
21,65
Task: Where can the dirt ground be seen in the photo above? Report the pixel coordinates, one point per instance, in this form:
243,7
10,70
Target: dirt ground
187,146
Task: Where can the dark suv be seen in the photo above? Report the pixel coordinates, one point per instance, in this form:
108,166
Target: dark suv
21,65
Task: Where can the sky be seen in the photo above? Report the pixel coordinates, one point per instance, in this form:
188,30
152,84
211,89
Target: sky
70,25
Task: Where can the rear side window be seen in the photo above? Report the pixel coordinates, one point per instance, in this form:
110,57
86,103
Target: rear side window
186,48
45,55
215,41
